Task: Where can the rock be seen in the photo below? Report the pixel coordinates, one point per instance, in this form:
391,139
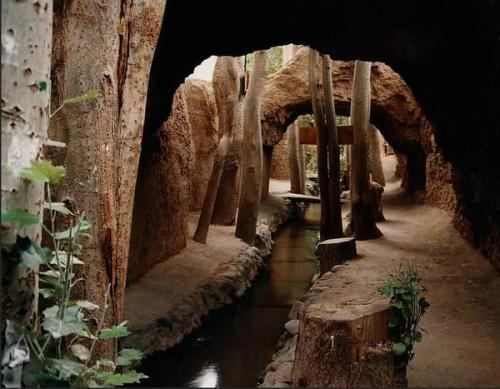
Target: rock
163,193
204,130
294,312
292,326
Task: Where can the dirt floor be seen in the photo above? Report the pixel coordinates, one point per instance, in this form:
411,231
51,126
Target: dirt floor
462,346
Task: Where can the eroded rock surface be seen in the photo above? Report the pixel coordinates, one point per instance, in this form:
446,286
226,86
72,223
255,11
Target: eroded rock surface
204,129
163,193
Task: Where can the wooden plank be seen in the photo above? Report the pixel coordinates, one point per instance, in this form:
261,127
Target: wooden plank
308,135
301,197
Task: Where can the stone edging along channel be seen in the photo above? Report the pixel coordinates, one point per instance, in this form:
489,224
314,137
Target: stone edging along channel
230,280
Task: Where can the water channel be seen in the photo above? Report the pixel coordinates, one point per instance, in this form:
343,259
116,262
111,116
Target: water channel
235,343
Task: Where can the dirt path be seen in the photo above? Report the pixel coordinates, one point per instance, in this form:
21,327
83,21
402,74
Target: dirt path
462,347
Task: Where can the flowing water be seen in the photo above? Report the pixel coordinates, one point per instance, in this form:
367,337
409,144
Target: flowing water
235,343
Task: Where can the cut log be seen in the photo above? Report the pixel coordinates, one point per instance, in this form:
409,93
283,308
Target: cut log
344,337
333,252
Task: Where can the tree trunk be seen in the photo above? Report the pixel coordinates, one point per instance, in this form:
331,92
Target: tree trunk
302,164
333,150
293,145
103,138
333,252
375,158
226,84
362,220
26,52
226,201
316,88
293,142
266,171
251,180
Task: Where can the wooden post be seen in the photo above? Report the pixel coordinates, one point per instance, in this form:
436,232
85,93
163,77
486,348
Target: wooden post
333,252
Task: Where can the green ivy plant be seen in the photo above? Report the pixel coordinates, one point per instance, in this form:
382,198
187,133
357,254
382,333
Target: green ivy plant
407,296
57,347
59,342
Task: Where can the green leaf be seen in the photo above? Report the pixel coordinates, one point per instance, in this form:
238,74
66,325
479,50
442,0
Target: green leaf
130,377
106,362
81,352
407,340
90,95
114,332
70,324
127,355
47,293
417,337
393,322
398,348
43,171
87,305
30,258
63,259
25,219
42,86
58,207
73,231
51,311
66,367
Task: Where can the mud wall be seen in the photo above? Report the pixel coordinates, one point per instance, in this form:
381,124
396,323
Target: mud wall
204,129
421,42
163,193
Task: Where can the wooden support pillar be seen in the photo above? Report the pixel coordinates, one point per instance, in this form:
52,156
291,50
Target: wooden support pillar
266,171
333,252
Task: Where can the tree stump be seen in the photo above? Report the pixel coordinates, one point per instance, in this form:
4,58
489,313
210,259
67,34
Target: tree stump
344,337
333,252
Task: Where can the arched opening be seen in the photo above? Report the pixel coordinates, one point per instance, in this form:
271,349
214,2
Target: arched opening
394,38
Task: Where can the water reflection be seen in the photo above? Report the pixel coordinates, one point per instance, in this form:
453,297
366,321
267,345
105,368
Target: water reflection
208,377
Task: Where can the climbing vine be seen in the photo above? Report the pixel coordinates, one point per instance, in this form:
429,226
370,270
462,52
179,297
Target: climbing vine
407,296
56,347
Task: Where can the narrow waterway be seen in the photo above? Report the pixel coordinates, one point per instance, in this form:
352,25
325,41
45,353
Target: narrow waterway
235,343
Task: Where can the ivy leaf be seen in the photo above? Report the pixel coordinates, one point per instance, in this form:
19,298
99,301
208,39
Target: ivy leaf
25,219
58,207
71,323
73,231
114,332
398,348
90,95
42,86
47,293
417,337
81,352
127,355
393,322
130,377
43,171
30,258
87,305
66,367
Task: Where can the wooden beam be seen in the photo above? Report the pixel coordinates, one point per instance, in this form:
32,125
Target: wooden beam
308,135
